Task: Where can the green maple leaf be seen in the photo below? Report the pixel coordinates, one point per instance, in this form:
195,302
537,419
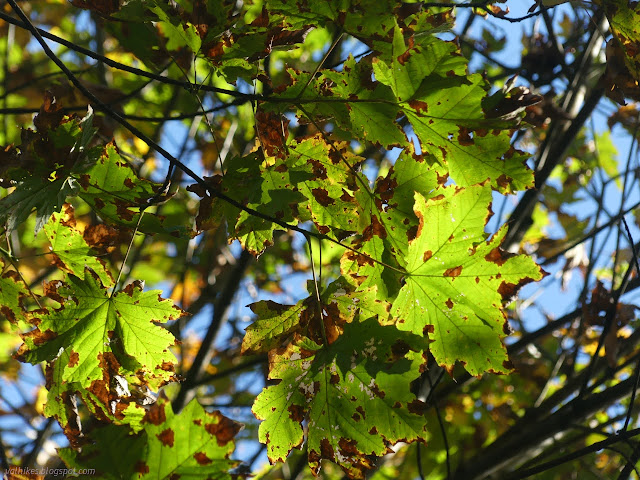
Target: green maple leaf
71,252
43,165
367,110
191,444
94,337
624,25
308,180
340,303
354,394
32,193
327,177
404,67
369,266
274,323
395,198
177,35
457,282
114,190
12,291
443,104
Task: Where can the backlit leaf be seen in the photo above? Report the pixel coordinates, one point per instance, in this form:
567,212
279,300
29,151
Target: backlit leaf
94,337
192,444
71,252
354,394
457,281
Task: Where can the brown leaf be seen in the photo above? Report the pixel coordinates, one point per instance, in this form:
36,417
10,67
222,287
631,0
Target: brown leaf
272,130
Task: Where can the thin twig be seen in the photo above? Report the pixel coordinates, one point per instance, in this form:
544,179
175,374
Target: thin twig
637,369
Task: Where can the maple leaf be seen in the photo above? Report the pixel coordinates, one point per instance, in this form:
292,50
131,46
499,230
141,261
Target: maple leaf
441,100
30,194
274,322
395,198
12,291
191,444
457,282
94,337
42,165
312,181
71,252
339,304
354,394
114,190
624,26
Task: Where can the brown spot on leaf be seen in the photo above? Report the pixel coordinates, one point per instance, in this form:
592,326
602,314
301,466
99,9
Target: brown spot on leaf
375,229
464,137
361,411
453,272
326,450
449,303
323,229
417,406
428,329
155,415
224,430
377,392
348,447
373,431
51,291
322,197
262,20
507,290
427,255
122,210
419,105
98,203
319,170
412,232
503,181
346,197
141,467
166,437
40,338
101,235
202,458
131,288
167,367
8,313
296,413
497,256
74,358
404,57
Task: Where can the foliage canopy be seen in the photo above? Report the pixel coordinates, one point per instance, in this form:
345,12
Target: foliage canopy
348,143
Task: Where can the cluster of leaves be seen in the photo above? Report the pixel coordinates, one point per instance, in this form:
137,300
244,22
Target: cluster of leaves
413,282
